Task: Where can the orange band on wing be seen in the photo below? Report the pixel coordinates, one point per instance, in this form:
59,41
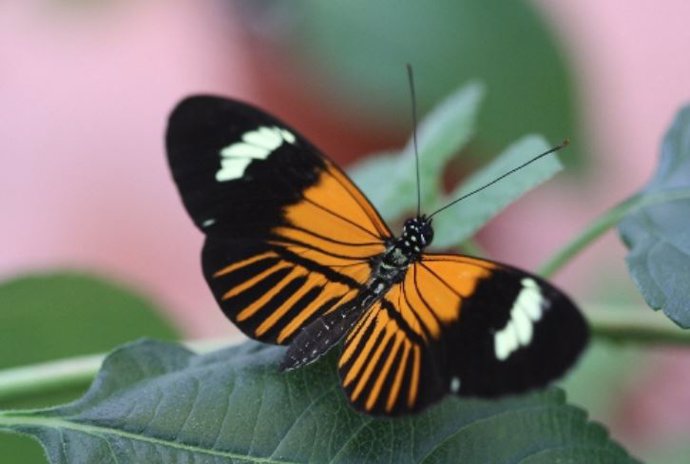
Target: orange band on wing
414,381
397,382
390,356
246,262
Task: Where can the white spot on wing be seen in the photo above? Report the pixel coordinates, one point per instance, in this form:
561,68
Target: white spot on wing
232,168
256,144
288,136
506,341
530,299
523,325
527,309
266,137
244,150
208,222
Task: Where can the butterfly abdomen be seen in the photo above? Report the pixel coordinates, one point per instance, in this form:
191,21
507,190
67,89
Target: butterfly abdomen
317,338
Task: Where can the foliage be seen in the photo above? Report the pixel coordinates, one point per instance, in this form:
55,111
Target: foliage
443,133
60,314
657,228
155,402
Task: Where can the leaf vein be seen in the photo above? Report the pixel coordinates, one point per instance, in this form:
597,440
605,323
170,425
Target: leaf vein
439,444
302,414
104,432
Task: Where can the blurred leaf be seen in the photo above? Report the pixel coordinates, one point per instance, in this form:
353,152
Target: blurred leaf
461,221
442,133
381,177
657,229
360,48
155,402
390,180
672,451
60,314
599,379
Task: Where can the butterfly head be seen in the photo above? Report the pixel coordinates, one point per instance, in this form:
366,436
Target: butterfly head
418,231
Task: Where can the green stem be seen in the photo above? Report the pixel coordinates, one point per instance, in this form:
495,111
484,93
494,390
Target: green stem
640,326
71,373
593,232
608,220
53,376
631,325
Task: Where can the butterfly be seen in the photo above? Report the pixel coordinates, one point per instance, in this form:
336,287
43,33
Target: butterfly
296,255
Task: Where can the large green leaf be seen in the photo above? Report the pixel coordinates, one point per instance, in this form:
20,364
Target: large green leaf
657,229
57,314
157,403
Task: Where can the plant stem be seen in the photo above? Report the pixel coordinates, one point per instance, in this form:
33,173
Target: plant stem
630,325
70,373
606,221
52,376
641,326
593,232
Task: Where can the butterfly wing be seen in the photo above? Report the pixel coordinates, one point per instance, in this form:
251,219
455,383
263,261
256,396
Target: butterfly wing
288,236
514,332
459,325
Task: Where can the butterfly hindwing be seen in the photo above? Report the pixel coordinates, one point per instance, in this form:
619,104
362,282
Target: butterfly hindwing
459,325
515,331
288,236
385,368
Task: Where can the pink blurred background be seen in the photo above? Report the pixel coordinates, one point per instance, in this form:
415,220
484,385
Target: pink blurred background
84,93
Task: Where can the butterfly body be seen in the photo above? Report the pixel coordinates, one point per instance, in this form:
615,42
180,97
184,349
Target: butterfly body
387,270
296,255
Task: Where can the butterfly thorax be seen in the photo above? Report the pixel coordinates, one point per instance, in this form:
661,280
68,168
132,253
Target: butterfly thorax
401,252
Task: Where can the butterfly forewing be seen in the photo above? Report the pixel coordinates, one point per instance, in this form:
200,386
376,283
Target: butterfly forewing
288,236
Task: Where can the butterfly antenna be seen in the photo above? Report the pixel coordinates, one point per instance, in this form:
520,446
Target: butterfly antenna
563,144
410,78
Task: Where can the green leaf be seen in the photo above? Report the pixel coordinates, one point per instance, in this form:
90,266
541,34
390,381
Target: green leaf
154,402
442,133
657,228
598,379
461,221
58,314
390,180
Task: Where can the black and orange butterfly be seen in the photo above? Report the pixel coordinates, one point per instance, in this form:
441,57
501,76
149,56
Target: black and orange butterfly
296,255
